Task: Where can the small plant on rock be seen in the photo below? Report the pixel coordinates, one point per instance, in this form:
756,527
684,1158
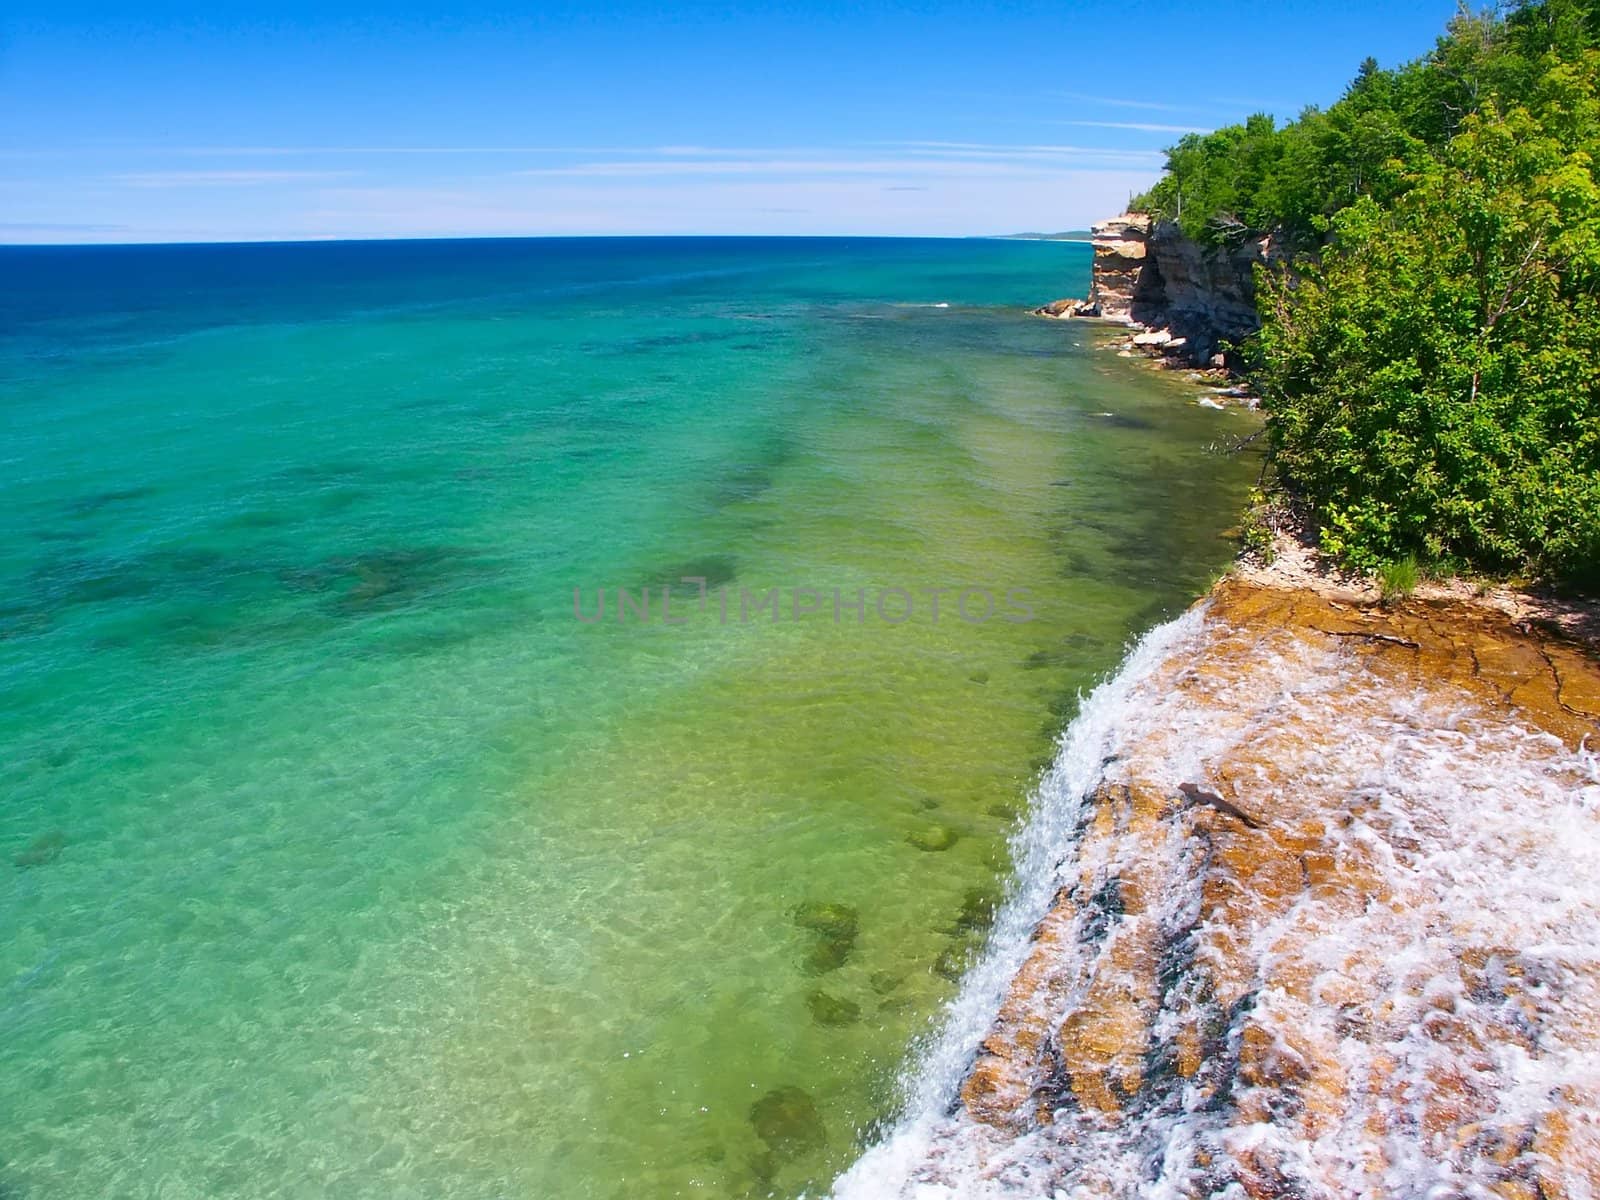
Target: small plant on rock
1398,579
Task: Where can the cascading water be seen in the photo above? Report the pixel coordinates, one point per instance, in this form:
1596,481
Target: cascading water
1356,958
934,1080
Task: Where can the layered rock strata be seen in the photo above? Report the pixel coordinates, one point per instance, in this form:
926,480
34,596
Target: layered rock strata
1148,273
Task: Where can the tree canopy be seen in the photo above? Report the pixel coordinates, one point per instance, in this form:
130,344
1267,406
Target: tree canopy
1430,364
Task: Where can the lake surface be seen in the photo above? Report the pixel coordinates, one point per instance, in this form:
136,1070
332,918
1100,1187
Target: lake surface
339,856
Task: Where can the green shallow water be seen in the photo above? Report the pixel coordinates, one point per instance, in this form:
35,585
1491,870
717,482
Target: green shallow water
339,858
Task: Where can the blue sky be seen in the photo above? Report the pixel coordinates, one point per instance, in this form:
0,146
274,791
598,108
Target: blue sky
150,122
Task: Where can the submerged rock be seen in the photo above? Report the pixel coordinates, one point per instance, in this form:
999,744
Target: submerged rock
786,1119
1069,307
42,851
935,838
831,920
718,570
884,982
836,927
828,1009
953,959
827,955
380,581
978,908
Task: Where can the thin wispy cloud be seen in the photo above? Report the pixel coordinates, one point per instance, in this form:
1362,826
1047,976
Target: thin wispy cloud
1034,151
921,158
97,151
184,179
58,227
1118,102
777,166
1142,126
663,151
921,186
129,150
1063,197
698,151
315,151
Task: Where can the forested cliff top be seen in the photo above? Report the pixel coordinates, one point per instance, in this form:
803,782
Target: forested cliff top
1431,363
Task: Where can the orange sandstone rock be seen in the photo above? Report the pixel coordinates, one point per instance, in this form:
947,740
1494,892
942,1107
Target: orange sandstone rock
1312,961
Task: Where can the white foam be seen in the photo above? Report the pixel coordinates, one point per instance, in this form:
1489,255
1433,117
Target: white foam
931,1086
1487,834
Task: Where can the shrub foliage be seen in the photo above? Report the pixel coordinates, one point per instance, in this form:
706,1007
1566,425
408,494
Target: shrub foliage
1431,365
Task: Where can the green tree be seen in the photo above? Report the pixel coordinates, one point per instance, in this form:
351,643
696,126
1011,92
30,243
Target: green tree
1431,366
1434,383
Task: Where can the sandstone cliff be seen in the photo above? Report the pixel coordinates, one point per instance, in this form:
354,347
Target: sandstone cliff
1121,254
1148,273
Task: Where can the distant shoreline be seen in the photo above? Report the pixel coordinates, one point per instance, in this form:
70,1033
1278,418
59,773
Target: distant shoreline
1070,235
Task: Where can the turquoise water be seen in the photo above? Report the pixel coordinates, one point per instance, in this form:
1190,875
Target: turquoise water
338,858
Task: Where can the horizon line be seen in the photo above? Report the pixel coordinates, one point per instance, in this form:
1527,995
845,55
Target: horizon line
542,237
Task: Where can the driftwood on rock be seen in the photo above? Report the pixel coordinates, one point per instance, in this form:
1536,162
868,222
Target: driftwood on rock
1201,796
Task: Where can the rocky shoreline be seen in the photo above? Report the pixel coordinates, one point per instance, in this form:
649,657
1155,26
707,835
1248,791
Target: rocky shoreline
1183,304
1327,924
1325,892
1148,273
